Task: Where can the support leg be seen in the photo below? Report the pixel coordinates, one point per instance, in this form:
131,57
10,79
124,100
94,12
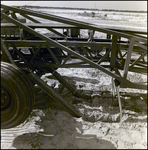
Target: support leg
119,100
113,87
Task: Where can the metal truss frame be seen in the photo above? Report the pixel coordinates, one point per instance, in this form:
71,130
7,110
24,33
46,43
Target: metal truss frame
107,55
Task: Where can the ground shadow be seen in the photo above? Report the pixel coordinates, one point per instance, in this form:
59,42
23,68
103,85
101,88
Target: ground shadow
39,141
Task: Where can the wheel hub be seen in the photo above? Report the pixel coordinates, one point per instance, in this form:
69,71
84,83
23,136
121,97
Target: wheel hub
5,99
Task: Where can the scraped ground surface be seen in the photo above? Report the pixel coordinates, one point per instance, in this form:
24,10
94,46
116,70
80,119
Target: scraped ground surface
52,127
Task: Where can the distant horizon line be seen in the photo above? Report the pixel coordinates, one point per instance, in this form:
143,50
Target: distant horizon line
83,8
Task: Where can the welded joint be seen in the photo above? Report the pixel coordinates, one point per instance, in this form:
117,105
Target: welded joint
53,72
6,53
117,83
75,91
141,57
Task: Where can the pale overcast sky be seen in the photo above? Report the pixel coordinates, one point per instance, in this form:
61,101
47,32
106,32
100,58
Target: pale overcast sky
118,5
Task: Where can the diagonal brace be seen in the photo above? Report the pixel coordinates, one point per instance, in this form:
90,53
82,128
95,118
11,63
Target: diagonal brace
129,54
52,30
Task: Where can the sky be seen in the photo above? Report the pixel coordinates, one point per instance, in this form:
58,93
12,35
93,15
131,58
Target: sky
118,5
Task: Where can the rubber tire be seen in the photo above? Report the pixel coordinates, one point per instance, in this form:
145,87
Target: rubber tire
21,95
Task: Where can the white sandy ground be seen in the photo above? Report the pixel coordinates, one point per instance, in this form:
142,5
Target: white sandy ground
59,130
62,131
99,126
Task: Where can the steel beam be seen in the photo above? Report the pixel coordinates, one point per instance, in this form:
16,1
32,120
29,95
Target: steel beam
72,22
37,52
119,51
105,56
137,32
21,56
142,56
54,94
113,51
52,54
38,43
129,54
52,30
39,25
65,83
97,45
14,16
141,45
5,54
66,59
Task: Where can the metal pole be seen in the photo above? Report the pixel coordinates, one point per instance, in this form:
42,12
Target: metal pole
113,87
119,100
